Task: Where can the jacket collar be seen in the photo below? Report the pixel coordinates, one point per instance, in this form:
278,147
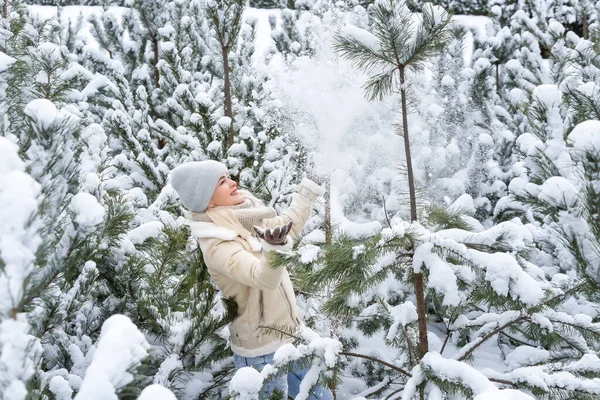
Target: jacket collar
206,230
203,230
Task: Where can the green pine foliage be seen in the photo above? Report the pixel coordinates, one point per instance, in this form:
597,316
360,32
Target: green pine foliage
461,134
77,2
288,38
40,67
136,141
577,16
369,286
476,7
89,135
166,289
134,41
264,3
507,261
20,197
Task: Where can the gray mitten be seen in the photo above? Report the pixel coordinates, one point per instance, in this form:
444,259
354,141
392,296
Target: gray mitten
274,236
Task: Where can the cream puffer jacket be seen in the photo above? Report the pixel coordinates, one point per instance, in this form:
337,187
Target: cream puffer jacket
264,296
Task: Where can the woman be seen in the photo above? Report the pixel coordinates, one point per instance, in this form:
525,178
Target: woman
238,235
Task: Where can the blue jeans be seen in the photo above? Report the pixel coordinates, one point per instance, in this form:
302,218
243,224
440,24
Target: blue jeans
288,385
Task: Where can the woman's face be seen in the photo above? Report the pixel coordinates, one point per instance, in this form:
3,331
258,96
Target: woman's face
226,193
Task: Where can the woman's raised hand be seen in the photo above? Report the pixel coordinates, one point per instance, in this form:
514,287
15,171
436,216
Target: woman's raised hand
274,236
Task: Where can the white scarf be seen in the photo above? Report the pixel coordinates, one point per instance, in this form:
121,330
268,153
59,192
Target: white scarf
239,218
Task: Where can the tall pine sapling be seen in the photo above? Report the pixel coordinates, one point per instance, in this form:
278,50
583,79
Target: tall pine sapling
398,45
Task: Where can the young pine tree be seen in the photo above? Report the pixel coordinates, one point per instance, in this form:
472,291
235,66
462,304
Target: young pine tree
133,41
397,48
225,19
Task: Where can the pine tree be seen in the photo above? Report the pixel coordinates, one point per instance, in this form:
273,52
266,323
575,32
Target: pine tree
299,32
289,39
134,42
264,3
396,55
225,19
137,153
269,157
577,15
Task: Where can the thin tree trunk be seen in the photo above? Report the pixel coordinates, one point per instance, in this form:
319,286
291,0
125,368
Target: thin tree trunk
333,391
498,77
419,290
327,224
586,33
421,314
156,73
154,45
48,89
411,180
227,89
335,323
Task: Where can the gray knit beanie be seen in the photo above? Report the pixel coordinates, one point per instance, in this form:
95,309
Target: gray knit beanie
195,182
